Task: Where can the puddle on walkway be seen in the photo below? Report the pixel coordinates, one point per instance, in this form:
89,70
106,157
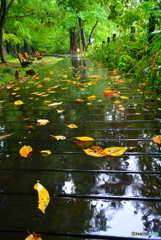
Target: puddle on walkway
112,196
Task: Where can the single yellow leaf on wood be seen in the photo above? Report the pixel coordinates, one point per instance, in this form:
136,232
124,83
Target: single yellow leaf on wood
72,126
54,104
33,236
79,100
115,151
26,151
95,151
45,153
124,97
93,97
157,140
42,121
18,102
58,137
84,138
43,197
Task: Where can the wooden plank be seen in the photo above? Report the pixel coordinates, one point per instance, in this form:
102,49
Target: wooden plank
75,216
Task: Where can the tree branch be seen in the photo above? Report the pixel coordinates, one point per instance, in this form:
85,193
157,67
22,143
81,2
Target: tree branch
92,32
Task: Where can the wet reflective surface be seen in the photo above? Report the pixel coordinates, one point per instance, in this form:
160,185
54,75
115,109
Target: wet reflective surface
99,196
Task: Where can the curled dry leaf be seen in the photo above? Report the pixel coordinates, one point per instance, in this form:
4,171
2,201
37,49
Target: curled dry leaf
95,151
72,126
58,137
157,140
18,102
26,151
54,104
43,196
45,153
84,139
4,136
115,151
61,110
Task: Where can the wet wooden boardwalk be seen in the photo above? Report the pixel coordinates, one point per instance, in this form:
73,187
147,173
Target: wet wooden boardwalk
90,197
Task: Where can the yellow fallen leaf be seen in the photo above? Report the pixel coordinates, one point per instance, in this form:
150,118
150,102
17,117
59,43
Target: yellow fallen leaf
55,104
58,137
79,100
93,97
43,196
26,151
33,236
65,76
61,110
124,97
51,72
157,140
117,102
115,151
18,102
45,153
72,126
47,79
84,138
95,151
42,121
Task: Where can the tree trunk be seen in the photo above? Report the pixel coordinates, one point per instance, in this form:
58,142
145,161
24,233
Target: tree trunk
73,44
82,34
90,35
2,54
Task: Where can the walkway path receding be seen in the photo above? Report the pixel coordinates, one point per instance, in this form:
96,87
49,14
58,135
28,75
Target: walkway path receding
91,197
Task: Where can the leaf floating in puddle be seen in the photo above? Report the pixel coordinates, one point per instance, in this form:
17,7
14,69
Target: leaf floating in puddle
83,143
58,137
42,121
115,151
43,197
72,126
26,151
157,140
45,153
4,136
18,102
95,151
60,111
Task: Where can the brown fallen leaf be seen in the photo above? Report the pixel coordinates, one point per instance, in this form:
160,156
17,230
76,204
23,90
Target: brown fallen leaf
95,151
26,151
4,136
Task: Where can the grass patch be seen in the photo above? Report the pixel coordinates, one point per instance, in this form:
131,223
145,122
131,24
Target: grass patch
7,70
